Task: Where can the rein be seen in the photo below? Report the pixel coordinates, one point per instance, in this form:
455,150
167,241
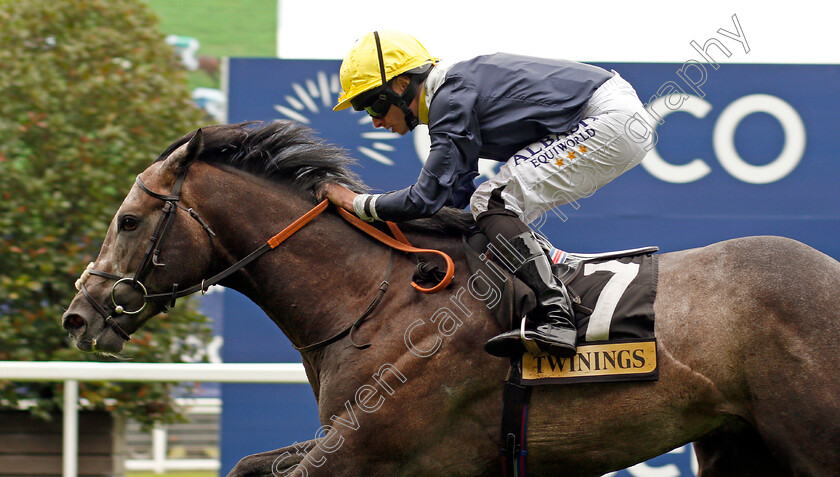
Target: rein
402,245
171,205
400,242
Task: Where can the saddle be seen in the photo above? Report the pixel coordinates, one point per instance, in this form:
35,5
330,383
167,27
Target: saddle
629,276
612,295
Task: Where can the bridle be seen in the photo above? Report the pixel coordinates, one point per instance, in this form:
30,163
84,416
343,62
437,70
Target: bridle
151,259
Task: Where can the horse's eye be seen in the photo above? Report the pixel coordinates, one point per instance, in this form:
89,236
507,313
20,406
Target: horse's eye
128,223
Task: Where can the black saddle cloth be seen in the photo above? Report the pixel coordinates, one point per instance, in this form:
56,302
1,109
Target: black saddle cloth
613,291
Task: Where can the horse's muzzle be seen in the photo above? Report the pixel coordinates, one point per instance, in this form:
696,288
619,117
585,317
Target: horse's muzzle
89,331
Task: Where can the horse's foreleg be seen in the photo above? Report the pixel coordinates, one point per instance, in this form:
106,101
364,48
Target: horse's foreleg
277,463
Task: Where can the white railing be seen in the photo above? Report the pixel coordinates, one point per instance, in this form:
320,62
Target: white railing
71,372
158,461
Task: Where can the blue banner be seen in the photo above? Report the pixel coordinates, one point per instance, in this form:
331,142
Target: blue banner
741,150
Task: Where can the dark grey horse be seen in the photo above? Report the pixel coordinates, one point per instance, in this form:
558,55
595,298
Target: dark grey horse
748,331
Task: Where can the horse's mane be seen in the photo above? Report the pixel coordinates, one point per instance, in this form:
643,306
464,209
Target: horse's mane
287,151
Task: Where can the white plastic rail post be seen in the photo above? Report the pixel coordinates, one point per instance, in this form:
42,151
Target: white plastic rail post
70,460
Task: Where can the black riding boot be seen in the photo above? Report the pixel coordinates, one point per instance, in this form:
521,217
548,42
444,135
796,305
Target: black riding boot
550,327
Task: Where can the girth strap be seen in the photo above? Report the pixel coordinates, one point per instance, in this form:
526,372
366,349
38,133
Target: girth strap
515,401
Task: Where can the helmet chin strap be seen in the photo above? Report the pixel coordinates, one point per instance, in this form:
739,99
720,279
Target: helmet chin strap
405,99
411,119
402,101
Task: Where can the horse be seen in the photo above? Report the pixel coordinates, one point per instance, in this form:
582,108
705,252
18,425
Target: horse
747,329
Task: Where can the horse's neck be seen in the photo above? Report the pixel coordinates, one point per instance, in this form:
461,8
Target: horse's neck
318,276
321,279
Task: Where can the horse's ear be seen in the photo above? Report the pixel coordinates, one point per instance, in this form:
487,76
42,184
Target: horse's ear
182,157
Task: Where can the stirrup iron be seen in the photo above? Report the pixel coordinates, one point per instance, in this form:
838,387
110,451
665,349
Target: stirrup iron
529,345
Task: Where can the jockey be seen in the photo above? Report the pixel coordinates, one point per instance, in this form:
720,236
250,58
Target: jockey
562,129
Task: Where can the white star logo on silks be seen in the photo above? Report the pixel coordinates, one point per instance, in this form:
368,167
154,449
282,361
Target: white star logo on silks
312,95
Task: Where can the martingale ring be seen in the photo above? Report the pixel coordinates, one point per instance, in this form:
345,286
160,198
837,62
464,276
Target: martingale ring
119,309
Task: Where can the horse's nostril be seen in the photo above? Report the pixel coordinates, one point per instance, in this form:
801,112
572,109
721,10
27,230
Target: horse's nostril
73,322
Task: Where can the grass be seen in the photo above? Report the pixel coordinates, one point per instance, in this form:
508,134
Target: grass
244,28
224,28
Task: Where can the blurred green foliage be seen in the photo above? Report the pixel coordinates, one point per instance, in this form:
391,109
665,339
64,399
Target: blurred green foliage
89,95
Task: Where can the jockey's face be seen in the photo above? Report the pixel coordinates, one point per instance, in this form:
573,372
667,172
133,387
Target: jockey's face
394,119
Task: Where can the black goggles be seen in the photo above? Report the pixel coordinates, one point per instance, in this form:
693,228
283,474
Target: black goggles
376,105
379,108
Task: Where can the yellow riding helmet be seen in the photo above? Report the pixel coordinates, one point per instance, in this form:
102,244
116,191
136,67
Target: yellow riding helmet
360,71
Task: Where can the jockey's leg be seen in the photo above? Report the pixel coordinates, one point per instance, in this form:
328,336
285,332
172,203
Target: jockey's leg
550,327
611,138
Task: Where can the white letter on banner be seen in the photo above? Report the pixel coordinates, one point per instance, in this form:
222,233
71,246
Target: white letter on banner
664,170
724,139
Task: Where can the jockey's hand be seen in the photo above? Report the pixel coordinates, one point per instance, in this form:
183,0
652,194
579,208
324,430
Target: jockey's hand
339,195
